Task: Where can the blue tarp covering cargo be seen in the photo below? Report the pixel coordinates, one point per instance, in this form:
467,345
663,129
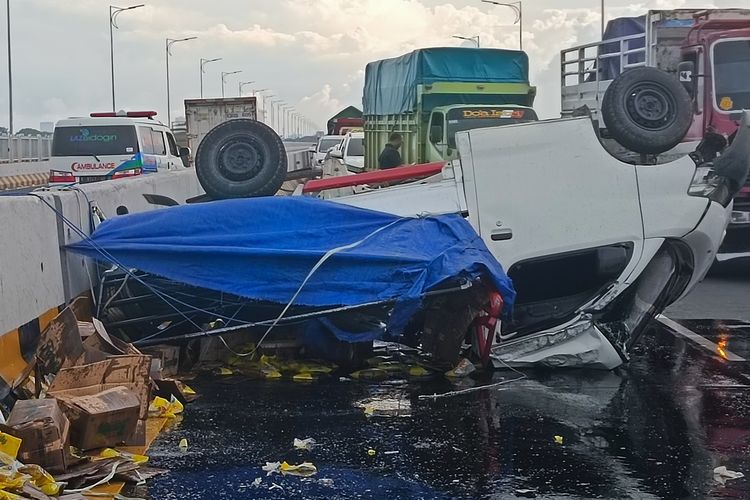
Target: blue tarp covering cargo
391,84
265,249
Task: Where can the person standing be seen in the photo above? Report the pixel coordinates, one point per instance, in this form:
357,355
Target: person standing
390,157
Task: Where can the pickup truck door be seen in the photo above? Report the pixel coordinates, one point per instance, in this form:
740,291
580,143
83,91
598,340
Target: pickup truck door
547,193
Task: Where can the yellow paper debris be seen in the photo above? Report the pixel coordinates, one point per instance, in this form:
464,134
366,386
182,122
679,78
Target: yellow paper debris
160,407
305,469
371,452
304,377
558,440
41,479
418,371
9,445
112,453
183,444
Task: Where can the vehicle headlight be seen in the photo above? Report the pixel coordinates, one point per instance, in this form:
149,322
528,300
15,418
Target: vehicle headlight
707,184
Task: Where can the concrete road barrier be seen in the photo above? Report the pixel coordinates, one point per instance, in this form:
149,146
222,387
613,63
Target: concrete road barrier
37,276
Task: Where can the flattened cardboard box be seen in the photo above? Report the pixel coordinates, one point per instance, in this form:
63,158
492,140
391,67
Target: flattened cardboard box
106,418
44,431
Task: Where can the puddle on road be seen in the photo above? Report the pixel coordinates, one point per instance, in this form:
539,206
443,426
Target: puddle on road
651,431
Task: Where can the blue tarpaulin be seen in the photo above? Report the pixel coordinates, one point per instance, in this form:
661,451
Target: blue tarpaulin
618,28
391,84
263,248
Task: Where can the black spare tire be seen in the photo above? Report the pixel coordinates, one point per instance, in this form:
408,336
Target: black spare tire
647,110
241,158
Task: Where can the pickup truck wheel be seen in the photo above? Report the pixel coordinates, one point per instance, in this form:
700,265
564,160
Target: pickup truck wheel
241,158
647,110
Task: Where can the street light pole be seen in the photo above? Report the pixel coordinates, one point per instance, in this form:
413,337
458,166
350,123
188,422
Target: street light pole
242,84
203,71
113,13
518,10
10,84
263,110
602,19
474,38
168,45
224,75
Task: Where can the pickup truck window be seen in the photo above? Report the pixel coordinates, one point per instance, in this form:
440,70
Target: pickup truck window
97,140
470,118
356,147
732,74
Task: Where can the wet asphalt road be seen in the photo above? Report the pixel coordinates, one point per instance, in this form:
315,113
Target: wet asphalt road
654,429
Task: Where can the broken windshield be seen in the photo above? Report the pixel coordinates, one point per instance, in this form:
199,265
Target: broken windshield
732,72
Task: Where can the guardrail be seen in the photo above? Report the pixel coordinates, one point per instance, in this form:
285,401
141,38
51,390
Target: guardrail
20,148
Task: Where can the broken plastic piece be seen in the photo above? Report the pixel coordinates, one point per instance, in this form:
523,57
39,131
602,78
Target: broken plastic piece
722,474
464,368
371,452
304,377
257,482
558,440
304,444
271,467
224,372
183,444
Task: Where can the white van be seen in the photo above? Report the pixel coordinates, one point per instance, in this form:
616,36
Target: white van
112,145
351,151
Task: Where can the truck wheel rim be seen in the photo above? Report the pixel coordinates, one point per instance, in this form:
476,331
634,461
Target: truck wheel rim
239,160
650,106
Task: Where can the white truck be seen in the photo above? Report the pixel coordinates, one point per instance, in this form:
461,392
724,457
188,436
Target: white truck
596,247
202,115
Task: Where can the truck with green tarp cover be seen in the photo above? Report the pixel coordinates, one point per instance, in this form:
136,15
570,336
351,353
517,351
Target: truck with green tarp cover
430,94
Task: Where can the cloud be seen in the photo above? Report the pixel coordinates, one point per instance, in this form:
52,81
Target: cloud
310,52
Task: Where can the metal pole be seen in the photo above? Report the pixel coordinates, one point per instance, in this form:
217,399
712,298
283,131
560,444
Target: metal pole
169,110
520,26
602,18
10,85
167,45
111,56
203,63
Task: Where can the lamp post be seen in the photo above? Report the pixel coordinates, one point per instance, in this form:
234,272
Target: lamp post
263,98
113,13
474,38
203,71
167,46
242,84
10,85
224,75
518,10
602,8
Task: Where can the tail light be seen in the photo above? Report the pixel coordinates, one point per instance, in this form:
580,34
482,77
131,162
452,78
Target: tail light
61,177
127,173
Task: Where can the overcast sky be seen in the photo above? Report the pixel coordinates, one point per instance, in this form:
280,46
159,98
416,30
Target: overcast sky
311,53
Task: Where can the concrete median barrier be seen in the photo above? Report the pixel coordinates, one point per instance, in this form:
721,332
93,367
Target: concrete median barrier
37,276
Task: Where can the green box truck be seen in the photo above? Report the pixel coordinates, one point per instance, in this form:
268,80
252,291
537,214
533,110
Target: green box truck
430,94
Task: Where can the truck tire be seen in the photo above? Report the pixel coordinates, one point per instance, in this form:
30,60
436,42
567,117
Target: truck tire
241,158
647,110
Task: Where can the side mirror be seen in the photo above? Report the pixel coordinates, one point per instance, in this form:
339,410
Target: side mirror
436,134
686,73
184,152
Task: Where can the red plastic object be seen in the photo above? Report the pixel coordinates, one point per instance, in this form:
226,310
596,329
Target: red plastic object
375,177
484,326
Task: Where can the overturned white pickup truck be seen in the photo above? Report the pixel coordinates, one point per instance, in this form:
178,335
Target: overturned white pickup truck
595,247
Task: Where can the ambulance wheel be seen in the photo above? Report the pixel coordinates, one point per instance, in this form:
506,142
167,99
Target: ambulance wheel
647,110
241,158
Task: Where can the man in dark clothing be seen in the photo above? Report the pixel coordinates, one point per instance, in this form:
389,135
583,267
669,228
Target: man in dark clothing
390,157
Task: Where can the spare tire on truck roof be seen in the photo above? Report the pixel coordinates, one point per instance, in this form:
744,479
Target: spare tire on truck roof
647,110
241,158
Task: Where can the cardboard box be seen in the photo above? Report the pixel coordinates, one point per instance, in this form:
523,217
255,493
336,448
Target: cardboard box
44,431
169,356
106,418
130,371
60,344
